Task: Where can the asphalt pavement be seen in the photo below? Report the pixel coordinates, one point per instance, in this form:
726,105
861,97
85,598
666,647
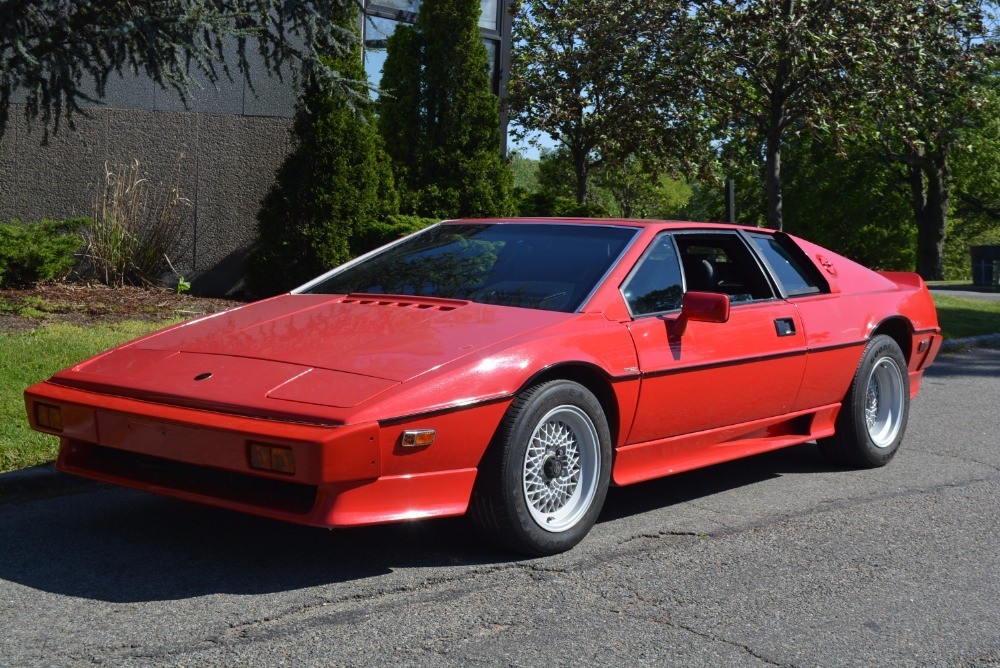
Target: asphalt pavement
778,560
968,292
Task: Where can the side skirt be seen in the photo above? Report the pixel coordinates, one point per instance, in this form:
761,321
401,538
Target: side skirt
676,454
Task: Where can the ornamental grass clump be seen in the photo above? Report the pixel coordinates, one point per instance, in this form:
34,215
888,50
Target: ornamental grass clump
137,225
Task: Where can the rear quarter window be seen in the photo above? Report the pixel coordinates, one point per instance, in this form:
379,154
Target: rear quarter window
789,267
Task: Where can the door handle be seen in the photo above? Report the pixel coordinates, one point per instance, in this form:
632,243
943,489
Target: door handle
784,326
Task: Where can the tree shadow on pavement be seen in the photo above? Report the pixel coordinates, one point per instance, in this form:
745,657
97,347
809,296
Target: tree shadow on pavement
983,362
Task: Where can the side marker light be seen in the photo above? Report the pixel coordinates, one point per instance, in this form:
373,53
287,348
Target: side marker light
418,438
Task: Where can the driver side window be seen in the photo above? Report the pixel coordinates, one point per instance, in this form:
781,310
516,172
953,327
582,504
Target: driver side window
655,285
720,262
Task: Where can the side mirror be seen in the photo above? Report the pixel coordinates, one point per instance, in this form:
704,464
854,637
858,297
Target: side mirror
705,307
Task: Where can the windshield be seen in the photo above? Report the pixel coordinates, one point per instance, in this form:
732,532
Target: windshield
549,267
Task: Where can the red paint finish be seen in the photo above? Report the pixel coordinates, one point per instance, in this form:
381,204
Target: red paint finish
396,498
710,375
394,340
339,378
209,438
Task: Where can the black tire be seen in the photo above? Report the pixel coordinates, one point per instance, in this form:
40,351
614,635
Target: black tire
518,465
872,419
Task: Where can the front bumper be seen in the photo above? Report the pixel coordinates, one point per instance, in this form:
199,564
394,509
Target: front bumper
202,456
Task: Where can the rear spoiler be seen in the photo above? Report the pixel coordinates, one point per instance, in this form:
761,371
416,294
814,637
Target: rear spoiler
905,279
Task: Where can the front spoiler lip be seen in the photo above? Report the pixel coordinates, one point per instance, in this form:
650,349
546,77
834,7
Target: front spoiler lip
337,505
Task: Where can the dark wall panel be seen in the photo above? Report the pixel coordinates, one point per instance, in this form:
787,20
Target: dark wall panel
223,163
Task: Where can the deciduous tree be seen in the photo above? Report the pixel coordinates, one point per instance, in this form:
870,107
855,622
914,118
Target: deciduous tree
764,66
584,72
923,97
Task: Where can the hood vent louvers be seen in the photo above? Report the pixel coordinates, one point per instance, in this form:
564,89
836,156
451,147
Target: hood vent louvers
417,303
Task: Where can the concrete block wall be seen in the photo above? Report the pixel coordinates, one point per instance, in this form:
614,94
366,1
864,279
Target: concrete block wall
221,152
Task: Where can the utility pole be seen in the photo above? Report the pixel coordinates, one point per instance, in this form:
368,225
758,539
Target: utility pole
730,201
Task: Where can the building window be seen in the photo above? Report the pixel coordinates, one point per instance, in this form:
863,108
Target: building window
382,18
411,6
489,15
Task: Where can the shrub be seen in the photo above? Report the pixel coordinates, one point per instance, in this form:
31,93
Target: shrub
31,252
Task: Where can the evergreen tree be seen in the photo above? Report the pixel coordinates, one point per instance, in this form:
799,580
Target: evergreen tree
335,184
440,116
399,114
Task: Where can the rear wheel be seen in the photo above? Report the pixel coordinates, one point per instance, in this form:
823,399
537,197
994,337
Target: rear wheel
543,482
873,417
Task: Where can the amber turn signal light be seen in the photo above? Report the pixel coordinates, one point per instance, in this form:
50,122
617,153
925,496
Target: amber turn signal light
49,416
418,438
266,457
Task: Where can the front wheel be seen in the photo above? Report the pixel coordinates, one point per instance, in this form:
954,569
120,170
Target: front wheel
873,417
543,481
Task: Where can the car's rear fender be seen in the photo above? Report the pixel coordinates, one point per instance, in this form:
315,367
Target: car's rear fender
919,346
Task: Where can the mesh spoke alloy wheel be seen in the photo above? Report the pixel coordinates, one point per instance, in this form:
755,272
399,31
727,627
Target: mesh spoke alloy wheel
561,468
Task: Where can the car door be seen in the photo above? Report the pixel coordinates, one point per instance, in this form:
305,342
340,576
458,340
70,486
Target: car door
834,336
698,376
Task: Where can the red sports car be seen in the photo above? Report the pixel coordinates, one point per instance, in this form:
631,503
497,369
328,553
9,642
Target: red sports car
512,369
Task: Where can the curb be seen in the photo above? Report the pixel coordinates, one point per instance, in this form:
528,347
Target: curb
984,341
41,482
45,482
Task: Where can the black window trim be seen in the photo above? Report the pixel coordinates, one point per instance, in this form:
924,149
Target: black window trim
777,292
611,267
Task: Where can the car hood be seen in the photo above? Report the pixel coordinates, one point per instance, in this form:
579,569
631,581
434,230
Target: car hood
303,349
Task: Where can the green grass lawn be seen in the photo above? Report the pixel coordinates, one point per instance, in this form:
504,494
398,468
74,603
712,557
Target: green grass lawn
960,317
25,359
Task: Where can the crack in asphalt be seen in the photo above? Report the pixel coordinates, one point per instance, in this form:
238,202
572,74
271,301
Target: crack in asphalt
249,631
819,509
667,621
982,661
841,504
949,455
746,648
